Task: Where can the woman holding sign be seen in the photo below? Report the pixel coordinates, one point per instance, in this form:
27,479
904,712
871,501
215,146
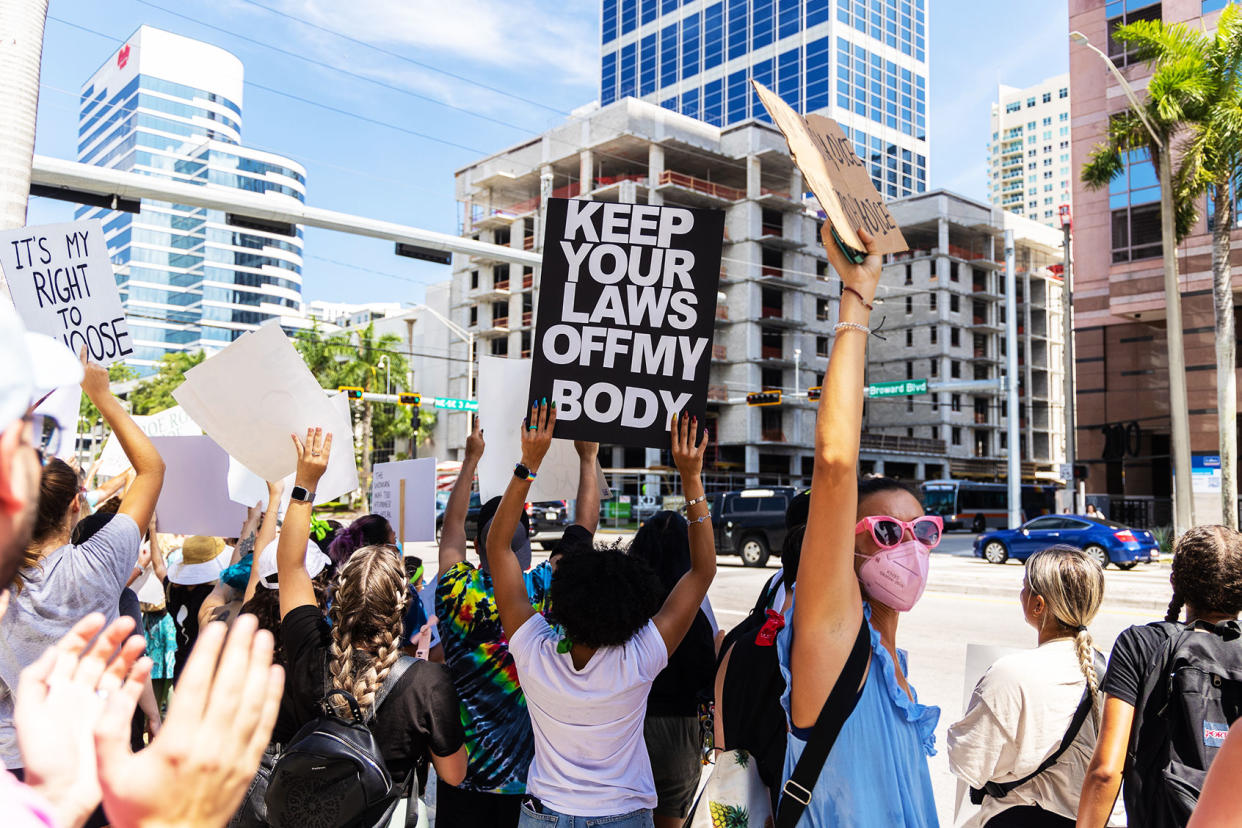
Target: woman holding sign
864,562
586,687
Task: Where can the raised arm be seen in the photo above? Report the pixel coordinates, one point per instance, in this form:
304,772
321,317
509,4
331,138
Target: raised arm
682,604
157,551
296,589
507,581
139,500
266,534
828,609
586,507
453,532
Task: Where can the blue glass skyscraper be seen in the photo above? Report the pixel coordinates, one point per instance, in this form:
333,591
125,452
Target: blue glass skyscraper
190,278
861,62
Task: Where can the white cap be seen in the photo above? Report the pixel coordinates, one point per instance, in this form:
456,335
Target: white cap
34,365
315,562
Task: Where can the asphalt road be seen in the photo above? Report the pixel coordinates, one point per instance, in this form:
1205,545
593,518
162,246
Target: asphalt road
968,601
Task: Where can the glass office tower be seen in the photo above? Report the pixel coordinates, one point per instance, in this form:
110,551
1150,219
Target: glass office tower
861,62
190,278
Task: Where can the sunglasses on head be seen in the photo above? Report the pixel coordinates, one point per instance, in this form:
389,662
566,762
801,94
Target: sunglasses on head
887,531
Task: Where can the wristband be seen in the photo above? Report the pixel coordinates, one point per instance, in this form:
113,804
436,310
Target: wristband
850,326
865,303
698,499
521,472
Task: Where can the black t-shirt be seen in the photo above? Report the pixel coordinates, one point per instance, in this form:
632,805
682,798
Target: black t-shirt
688,677
420,715
183,603
1131,661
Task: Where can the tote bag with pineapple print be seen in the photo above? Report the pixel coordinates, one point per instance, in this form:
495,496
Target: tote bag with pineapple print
734,796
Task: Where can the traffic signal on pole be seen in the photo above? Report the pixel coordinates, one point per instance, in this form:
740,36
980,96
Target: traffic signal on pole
410,399
353,392
1080,472
763,398
812,393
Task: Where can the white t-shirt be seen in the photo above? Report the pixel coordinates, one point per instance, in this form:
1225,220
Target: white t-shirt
1016,719
590,757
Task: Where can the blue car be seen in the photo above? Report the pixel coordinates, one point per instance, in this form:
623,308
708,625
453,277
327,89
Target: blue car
1104,540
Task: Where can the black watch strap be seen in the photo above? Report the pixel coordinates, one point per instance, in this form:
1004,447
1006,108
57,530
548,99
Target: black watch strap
521,472
301,495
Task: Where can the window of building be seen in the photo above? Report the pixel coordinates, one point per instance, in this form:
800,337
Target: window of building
772,378
1063,92
934,367
500,346
955,435
821,346
1047,97
500,313
909,370
932,298
955,369
952,271
474,315
955,402
713,36
1134,197
1121,13
934,334
1013,106
909,410
935,430
910,305
909,337
909,274
935,401
1064,116
954,303
1030,125
474,280
821,310
1048,121
1030,101
955,337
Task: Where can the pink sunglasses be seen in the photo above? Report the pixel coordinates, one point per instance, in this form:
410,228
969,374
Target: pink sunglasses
887,531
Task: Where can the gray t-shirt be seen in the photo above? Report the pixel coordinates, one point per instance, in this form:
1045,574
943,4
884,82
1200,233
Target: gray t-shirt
68,584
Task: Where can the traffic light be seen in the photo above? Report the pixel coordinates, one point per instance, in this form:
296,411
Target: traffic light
1080,472
353,392
763,398
812,393
410,399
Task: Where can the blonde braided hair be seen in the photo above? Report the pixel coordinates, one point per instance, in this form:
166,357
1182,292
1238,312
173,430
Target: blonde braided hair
1071,583
367,610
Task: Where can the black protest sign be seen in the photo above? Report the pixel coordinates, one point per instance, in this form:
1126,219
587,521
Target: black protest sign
627,308
61,282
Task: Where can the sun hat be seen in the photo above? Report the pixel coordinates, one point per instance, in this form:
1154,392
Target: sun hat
200,560
34,365
315,561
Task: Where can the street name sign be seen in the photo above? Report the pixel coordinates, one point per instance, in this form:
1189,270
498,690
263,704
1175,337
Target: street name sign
900,388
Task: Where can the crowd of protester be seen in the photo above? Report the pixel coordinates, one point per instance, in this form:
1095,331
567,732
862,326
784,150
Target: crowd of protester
306,672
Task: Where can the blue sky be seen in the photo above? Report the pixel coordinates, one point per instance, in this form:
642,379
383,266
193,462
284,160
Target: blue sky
460,80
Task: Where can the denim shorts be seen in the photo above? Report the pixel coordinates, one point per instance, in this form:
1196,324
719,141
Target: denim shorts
545,817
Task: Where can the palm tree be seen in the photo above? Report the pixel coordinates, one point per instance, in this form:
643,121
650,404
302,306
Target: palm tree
1197,86
21,52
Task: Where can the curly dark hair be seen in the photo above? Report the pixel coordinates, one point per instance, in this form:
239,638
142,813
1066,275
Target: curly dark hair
663,543
1207,572
602,596
265,606
368,530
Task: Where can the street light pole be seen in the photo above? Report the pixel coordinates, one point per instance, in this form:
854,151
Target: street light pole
1179,414
466,336
1067,327
1014,453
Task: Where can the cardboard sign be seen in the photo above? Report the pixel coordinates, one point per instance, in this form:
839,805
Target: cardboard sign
254,394
501,382
195,497
836,175
405,492
171,422
627,309
60,278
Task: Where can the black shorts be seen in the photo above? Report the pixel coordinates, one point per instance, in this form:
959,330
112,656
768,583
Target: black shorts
675,747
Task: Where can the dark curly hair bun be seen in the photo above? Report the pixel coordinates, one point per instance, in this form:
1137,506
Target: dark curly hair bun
602,597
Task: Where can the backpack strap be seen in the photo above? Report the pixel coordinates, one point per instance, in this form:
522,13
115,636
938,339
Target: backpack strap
403,663
796,793
1000,790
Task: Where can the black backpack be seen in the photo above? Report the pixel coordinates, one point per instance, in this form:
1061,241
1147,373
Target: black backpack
331,773
1192,694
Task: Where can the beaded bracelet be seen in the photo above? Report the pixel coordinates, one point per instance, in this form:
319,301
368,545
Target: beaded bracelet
851,326
698,499
865,303
699,520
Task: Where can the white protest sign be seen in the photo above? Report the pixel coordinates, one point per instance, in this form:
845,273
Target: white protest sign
405,492
195,497
254,394
503,385
60,278
63,405
979,657
171,422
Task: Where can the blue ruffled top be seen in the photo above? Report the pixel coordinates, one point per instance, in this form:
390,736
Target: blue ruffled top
876,774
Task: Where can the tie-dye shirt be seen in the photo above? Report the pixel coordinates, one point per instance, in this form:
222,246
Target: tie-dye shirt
493,708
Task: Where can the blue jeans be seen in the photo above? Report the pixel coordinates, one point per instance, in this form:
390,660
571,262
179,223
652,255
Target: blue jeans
547,818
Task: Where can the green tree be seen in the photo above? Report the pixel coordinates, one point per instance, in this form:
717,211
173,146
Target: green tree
88,414
154,394
1196,94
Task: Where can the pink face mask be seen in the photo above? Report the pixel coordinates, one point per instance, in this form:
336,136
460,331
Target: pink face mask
896,576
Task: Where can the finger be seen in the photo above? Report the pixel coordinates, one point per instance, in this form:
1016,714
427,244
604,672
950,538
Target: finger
112,728
69,649
543,415
703,441
297,446
310,438
121,666
262,732
92,665
327,446
551,418
231,674
190,700
867,239
32,684
244,720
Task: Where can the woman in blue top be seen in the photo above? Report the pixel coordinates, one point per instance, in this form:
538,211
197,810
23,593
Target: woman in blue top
864,559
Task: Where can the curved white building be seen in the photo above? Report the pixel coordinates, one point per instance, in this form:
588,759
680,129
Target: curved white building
190,278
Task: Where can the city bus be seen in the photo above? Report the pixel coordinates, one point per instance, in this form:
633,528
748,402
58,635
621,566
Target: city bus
965,504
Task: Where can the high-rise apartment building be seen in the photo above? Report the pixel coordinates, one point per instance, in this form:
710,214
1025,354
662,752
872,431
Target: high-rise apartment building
944,322
1120,308
190,278
1029,169
861,62
779,297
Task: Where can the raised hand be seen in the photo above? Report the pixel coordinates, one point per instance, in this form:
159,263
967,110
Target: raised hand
475,444
586,451
686,455
94,378
537,433
60,697
313,456
863,278
197,769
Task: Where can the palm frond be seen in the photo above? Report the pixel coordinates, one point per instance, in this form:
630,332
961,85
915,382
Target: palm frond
1105,163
